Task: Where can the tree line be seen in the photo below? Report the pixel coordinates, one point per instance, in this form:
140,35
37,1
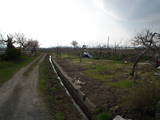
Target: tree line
146,47
16,44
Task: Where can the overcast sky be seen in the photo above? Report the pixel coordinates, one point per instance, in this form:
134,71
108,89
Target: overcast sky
58,22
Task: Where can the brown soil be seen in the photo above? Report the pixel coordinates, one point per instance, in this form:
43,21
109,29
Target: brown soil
104,97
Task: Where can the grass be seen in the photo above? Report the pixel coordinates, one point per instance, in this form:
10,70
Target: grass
46,87
43,84
55,97
104,116
8,68
122,84
43,76
111,72
59,116
135,100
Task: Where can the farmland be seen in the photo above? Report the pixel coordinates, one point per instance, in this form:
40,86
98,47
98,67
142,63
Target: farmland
115,91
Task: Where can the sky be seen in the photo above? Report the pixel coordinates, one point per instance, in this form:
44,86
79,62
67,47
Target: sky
90,22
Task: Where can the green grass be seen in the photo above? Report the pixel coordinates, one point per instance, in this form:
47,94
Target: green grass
104,116
69,56
8,68
111,72
59,116
43,77
43,85
46,88
106,71
141,97
122,84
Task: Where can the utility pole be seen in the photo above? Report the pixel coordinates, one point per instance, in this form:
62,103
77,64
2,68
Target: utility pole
108,42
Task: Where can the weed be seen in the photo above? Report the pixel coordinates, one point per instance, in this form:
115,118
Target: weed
104,116
143,99
122,84
59,116
8,68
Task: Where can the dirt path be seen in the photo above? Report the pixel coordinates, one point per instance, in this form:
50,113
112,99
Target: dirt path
19,98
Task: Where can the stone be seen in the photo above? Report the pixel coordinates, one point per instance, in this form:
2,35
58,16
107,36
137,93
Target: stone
118,117
157,74
125,62
158,67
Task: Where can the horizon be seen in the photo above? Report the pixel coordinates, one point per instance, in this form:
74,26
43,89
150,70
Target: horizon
89,22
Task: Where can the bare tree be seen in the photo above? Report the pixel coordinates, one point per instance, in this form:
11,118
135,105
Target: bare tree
74,43
11,52
21,40
2,43
32,45
9,41
58,51
78,49
100,51
149,41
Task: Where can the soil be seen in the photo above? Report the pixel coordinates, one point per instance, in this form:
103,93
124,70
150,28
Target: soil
104,97
19,97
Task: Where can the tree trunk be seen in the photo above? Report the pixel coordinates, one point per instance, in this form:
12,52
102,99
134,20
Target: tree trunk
135,63
80,55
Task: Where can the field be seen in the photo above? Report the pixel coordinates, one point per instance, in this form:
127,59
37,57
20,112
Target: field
115,91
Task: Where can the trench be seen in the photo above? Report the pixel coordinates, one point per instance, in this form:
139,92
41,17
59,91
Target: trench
82,113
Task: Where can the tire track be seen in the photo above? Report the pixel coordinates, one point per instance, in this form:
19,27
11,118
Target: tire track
19,98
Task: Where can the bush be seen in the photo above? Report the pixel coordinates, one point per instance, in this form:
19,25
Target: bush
142,100
59,116
104,116
13,54
1,57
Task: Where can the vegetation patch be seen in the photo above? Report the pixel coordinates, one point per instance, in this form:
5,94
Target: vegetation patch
142,100
59,116
8,68
114,89
59,104
104,116
122,84
109,72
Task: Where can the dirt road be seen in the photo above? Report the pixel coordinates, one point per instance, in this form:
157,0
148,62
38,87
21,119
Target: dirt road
19,98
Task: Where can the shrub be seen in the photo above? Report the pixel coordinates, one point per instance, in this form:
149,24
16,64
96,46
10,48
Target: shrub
2,57
13,54
59,116
104,116
142,100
